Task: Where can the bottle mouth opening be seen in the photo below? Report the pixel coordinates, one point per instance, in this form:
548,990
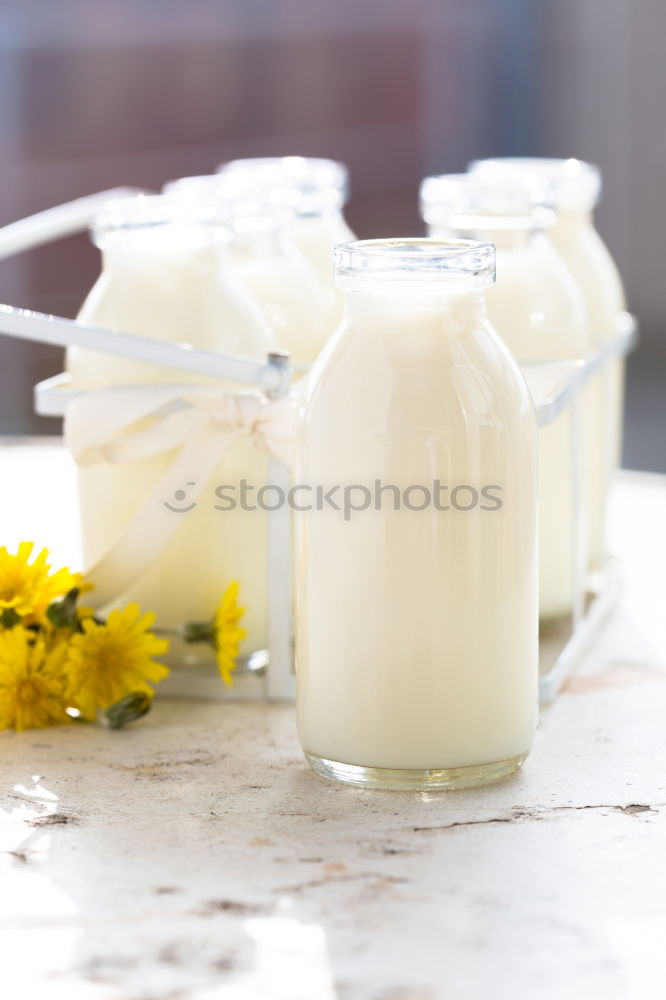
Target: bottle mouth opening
244,211
463,201
439,262
196,187
299,184
573,185
488,223
150,212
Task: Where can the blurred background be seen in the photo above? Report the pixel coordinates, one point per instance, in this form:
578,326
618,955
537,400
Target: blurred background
100,93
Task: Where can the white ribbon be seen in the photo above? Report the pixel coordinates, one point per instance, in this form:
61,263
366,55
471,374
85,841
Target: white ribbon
200,422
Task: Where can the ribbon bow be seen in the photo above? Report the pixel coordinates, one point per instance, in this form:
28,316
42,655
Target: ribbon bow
125,424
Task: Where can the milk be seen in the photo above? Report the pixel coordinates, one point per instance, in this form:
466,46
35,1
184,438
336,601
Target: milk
575,188
267,258
316,235
309,194
417,629
588,258
172,282
301,311
537,309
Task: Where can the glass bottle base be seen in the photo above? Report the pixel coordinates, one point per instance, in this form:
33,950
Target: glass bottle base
432,779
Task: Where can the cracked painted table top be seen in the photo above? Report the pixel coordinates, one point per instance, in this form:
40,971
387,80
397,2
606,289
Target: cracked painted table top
195,856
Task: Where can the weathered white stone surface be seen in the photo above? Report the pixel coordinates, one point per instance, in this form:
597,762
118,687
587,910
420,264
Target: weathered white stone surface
195,856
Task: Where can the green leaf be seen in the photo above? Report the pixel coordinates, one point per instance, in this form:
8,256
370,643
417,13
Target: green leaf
62,613
199,632
128,709
9,618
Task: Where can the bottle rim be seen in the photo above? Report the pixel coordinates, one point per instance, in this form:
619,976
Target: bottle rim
193,187
301,184
463,201
573,184
416,258
244,209
150,211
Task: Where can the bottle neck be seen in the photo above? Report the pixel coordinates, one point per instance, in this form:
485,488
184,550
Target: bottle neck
160,241
572,219
251,239
384,306
328,216
503,237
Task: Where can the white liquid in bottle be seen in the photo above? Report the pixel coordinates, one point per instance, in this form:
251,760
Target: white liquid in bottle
309,194
590,262
575,188
550,326
297,307
169,279
265,258
417,628
538,311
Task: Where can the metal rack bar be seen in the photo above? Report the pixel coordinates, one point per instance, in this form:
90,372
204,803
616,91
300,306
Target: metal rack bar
46,329
554,386
56,223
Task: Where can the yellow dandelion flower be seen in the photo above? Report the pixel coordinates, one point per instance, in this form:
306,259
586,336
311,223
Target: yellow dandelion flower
32,680
27,588
108,661
228,634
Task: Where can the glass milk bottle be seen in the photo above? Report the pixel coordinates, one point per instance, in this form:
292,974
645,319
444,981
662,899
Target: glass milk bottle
266,259
166,275
296,305
416,649
310,192
575,188
537,309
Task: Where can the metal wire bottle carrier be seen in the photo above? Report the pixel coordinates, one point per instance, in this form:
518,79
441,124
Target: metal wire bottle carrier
555,388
